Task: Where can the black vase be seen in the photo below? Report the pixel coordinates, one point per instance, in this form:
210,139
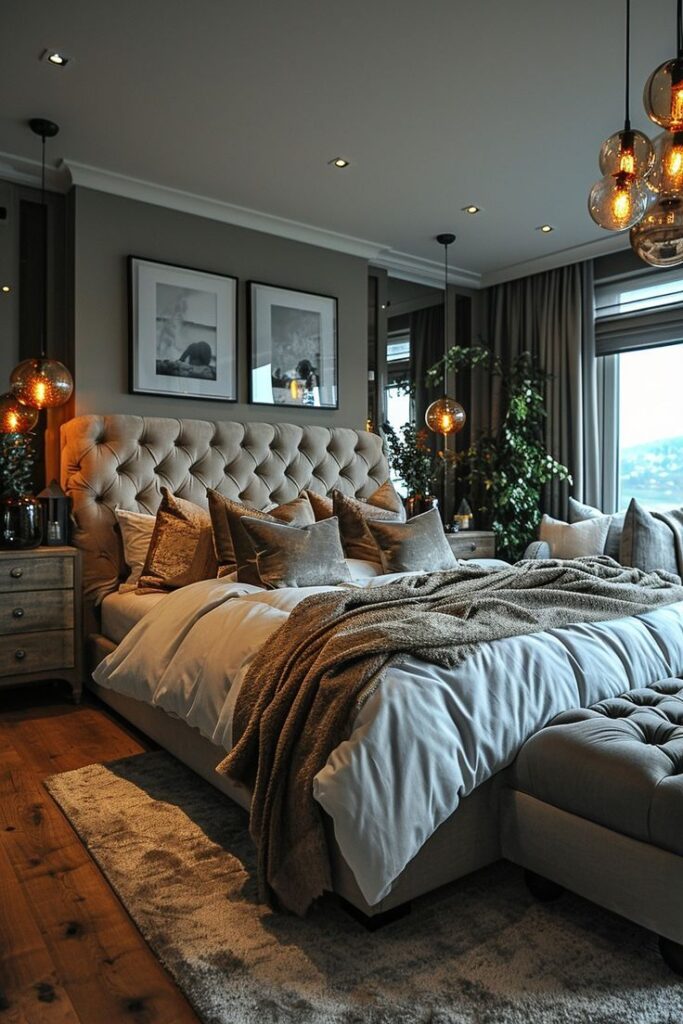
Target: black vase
21,522
416,504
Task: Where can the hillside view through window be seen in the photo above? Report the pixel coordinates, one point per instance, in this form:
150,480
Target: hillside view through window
651,427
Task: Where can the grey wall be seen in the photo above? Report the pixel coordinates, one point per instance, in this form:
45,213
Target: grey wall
109,228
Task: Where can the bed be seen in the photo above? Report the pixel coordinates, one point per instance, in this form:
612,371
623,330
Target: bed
444,820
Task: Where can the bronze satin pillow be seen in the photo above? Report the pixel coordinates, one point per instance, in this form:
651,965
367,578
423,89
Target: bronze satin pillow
385,497
181,550
233,549
353,515
420,545
297,556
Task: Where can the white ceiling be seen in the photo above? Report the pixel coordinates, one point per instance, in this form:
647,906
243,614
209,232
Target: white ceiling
438,103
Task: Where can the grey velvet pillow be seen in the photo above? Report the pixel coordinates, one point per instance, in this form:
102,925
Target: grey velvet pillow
297,556
385,497
647,542
420,545
578,513
231,544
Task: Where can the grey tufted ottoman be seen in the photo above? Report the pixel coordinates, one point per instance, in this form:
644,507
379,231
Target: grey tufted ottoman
595,804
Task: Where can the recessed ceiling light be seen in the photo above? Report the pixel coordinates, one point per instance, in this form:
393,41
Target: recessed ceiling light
6,288
471,209
545,228
340,162
56,58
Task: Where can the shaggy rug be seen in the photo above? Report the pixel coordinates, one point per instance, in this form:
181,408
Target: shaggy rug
479,951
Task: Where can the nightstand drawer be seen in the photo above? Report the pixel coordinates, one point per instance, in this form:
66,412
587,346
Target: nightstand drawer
36,652
30,611
463,546
44,573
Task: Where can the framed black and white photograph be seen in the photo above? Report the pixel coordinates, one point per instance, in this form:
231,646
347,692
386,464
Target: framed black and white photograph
183,331
293,348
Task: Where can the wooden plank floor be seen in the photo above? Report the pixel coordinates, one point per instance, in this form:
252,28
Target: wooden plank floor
69,952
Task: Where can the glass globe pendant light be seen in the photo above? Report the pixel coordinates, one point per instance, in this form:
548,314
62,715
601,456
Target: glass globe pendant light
620,198
663,93
16,418
658,238
41,382
445,416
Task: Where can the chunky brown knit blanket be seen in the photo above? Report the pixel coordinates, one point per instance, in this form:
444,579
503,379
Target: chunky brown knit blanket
307,683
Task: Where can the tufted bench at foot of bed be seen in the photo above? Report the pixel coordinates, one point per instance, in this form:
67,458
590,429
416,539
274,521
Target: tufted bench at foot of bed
594,803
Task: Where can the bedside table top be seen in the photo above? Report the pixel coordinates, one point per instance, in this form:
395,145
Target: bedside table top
63,550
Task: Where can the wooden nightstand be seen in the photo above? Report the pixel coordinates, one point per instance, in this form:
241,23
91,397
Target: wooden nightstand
40,616
473,543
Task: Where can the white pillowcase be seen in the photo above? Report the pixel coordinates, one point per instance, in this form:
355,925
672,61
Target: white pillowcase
362,570
136,534
575,540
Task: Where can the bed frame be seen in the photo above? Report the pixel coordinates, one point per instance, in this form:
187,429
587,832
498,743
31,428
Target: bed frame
124,460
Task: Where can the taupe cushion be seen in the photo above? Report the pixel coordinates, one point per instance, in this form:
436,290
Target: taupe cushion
647,543
291,556
418,545
578,512
352,515
385,497
618,763
137,530
181,550
225,519
238,555
574,540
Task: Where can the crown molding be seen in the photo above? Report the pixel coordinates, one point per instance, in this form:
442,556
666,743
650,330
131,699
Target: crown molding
575,254
24,171
216,209
423,271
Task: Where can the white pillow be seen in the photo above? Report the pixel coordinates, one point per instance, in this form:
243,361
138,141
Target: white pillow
136,534
575,540
362,570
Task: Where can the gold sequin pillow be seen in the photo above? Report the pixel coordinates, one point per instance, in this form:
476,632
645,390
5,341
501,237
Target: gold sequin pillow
181,550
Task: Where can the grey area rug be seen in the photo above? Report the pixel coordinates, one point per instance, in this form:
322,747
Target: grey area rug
478,951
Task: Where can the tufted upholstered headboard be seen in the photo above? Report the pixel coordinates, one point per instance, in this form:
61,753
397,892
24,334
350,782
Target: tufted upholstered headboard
124,460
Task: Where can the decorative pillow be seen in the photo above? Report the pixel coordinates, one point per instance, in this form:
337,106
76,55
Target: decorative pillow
420,545
181,550
353,515
385,497
578,513
574,540
233,549
136,533
297,556
647,541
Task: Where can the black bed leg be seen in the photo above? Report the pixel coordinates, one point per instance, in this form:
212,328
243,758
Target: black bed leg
672,954
542,889
373,922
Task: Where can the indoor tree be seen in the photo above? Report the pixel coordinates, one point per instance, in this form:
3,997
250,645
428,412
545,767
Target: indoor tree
506,469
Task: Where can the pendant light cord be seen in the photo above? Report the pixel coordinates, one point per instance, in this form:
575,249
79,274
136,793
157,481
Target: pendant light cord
43,340
679,28
445,317
627,91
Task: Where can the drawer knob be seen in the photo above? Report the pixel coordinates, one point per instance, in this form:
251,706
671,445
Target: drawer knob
18,613
20,654
473,546
16,573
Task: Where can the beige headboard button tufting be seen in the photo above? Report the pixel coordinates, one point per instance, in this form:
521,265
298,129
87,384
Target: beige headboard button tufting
125,460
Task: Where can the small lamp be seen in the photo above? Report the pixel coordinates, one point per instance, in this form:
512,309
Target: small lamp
446,416
56,515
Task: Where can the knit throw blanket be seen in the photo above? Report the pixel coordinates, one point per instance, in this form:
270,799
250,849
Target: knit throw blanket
305,686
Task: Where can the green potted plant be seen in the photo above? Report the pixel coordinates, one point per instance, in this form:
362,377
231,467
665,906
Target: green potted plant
505,470
20,512
411,460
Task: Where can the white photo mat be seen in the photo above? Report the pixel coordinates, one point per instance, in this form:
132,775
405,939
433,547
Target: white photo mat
289,328
183,331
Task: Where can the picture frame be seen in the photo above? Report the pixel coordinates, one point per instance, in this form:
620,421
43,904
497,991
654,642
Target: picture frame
182,331
293,348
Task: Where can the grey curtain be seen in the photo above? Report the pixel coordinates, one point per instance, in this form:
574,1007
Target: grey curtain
426,347
552,316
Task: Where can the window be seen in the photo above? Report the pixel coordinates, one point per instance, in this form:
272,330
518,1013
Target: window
639,329
650,460
398,404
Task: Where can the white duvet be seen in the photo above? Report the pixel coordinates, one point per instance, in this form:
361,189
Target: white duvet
426,738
